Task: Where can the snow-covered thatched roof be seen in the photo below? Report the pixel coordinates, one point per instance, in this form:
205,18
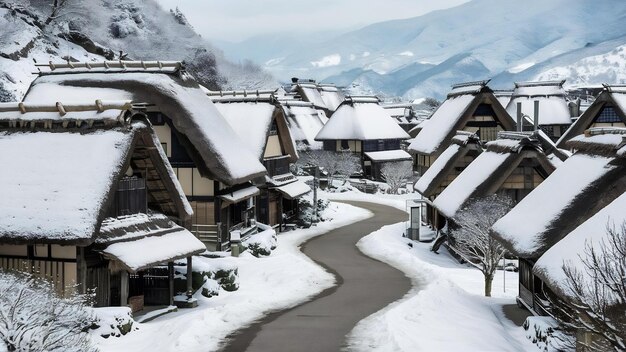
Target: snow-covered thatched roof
503,96
213,145
613,97
60,173
553,109
488,172
580,187
462,143
361,119
452,115
304,122
323,96
572,249
251,121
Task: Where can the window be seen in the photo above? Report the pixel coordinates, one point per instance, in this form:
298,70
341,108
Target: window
525,274
130,197
273,128
488,133
608,115
381,144
345,145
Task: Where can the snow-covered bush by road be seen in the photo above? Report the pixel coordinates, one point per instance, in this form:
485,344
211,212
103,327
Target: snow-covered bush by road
34,318
113,321
263,243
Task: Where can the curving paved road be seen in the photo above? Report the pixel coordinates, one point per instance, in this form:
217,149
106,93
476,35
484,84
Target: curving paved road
364,286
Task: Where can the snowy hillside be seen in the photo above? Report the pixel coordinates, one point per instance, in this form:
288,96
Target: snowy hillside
91,30
422,56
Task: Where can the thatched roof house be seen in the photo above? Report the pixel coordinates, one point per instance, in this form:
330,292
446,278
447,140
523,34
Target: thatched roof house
608,110
262,124
573,247
304,122
210,141
514,164
326,97
554,112
464,149
86,185
581,186
469,106
362,126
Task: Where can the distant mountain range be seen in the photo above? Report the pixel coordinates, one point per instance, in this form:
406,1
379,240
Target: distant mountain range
506,40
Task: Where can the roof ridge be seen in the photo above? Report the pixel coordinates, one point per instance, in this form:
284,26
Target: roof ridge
98,105
106,64
539,83
471,83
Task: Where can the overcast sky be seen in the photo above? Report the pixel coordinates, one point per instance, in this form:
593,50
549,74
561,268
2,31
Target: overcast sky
235,20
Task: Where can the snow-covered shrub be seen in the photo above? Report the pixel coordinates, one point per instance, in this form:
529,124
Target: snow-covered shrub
129,21
34,318
306,214
113,321
263,243
543,332
206,273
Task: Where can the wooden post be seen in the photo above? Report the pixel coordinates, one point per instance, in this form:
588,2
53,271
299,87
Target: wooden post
123,288
81,268
189,277
170,275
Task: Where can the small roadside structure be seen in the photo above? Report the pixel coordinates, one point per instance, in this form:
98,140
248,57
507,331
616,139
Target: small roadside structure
360,125
580,187
470,107
607,110
261,123
554,116
89,201
512,165
212,164
465,147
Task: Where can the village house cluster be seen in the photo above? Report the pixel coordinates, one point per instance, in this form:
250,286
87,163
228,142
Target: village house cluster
122,169
117,170
564,171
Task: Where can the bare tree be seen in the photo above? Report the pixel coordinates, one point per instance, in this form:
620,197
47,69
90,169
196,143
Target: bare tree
335,164
396,174
598,287
34,318
471,238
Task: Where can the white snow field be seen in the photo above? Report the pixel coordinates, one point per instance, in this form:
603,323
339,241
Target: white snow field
445,311
282,280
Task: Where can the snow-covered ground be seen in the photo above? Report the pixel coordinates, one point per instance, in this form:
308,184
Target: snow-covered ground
445,311
284,279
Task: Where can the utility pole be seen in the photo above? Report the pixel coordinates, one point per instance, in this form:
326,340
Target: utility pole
315,185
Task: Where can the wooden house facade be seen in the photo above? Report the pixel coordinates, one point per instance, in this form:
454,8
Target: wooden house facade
469,107
512,165
361,126
213,168
262,124
465,148
584,184
90,202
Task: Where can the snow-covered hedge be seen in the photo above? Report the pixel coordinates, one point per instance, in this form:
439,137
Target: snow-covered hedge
113,321
209,275
305,216
263,243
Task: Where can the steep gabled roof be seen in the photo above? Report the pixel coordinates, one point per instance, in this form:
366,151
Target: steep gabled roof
573,247
361,118
486,174
553,109
462,143
64,167
322,96
304,121
580,187
452,115
211,142
614,96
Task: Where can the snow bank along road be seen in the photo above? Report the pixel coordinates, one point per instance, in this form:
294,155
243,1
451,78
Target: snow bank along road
364,286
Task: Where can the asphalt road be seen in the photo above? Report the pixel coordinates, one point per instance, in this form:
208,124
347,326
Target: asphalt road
364,286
